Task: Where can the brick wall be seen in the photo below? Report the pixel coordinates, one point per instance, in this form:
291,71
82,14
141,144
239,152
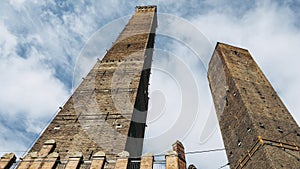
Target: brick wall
251,115
46,158
107,112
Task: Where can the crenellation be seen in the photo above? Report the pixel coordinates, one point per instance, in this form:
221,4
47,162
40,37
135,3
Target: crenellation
7,160
152,8
102,124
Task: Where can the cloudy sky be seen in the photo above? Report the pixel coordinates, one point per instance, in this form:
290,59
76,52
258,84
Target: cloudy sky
45,47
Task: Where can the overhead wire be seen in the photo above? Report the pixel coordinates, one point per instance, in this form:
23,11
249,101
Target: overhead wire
224,165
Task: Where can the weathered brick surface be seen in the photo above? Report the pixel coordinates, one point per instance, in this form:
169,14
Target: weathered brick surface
98,160
51,161
121,163
247,107
7,160
172,160
45,158
27,161
74,161
179,148
112,101
147,161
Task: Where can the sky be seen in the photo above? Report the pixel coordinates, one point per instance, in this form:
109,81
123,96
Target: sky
46,47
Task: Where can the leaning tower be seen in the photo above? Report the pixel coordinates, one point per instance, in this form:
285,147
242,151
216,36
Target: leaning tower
258,131
106,115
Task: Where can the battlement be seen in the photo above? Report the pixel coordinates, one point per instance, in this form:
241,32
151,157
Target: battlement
150,8
47,158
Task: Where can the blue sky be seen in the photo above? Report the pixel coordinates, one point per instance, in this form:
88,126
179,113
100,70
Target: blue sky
45,46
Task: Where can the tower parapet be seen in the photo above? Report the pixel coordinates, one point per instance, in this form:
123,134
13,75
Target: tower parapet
150,8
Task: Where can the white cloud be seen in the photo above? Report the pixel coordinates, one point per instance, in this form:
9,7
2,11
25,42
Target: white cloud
30,93
28,86
17,3
269,32
8,41
35,85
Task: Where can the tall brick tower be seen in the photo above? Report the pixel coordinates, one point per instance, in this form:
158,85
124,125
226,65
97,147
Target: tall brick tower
258,130
107,112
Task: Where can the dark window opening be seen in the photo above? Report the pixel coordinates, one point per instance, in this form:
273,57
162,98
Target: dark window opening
261,125
279,130
239,144
236,53
226,100
231,154
118,126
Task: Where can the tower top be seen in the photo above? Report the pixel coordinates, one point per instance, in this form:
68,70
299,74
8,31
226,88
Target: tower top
150,8
228,46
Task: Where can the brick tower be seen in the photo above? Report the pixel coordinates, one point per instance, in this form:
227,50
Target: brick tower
107,112
258,130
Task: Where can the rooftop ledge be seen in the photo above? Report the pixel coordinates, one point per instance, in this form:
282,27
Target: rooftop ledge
150,8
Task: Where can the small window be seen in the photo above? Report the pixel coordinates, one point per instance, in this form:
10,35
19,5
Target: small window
57,127
279,130
236,53
261,125
226,100
118,126
239,144
230,154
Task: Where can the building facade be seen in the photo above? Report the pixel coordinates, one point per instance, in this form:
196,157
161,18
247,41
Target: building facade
102,124
257,129
107,112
